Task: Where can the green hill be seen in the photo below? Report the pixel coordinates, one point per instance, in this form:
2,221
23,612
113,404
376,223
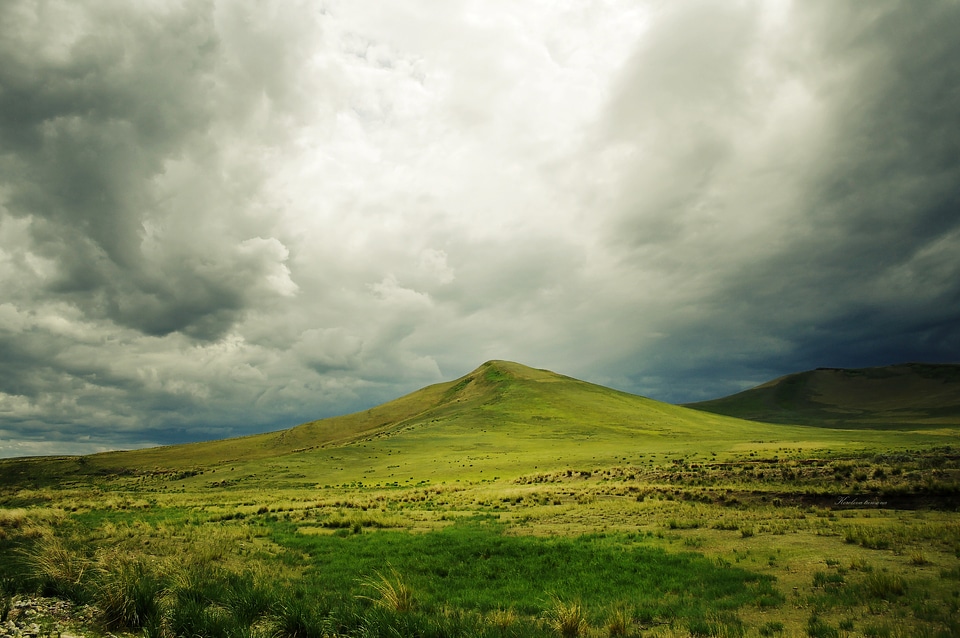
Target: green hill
907,396
501,410
503,419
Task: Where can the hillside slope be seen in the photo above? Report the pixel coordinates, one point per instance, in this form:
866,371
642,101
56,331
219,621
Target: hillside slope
499,396
501,420
501,413
906,396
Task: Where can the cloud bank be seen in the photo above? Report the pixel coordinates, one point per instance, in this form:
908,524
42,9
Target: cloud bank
218,218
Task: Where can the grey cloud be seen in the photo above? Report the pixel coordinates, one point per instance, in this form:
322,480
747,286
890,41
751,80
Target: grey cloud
224,217
90,135
862,266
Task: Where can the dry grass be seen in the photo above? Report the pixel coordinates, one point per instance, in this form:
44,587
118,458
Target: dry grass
620,623
568,619
392,593
60,569
13,518
503,619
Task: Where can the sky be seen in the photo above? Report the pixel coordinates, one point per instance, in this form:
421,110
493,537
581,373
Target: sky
220,217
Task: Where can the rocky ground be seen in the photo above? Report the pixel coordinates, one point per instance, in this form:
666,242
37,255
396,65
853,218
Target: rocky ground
36,617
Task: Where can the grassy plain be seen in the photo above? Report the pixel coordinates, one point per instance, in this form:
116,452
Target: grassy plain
510,502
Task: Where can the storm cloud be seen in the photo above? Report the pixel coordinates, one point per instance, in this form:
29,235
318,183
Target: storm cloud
223,217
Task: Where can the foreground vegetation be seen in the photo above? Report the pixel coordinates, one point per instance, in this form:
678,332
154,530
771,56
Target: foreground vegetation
515,503
676,548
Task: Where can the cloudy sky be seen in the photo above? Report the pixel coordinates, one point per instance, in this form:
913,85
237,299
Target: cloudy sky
229,216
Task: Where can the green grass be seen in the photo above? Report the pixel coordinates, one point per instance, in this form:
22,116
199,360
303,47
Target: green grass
501,420
510,502
474,565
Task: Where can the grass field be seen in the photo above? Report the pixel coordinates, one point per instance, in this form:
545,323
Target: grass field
511,502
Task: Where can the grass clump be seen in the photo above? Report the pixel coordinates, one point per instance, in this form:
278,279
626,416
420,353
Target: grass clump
723,625
772,628
504,620
59,569
295,617
819,628
881,585
620,622
568,619
13,518
127,592
393,594
917,558
6,599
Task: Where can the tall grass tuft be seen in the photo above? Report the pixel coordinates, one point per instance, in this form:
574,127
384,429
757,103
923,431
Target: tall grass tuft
620,622
568,619
502,619
393,594
194,618
295,617
883,585
128,593
13,518
6,598
818,628
60,570
248,599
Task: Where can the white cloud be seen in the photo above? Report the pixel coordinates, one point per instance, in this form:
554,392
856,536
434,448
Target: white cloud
227,216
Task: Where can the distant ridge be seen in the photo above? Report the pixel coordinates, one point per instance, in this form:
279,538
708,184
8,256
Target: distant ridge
904,396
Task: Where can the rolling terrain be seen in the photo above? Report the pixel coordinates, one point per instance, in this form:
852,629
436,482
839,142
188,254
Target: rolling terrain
906,396
502,419
511,502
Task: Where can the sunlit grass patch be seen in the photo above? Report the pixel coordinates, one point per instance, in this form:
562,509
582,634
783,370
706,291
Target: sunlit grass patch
12,518
392,593
567,618
473,565
60,568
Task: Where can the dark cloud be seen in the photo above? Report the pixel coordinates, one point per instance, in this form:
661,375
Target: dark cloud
93,119
861,265
228,216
